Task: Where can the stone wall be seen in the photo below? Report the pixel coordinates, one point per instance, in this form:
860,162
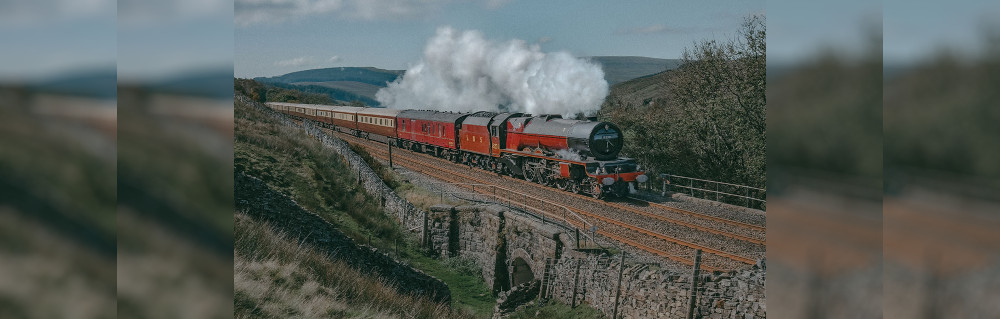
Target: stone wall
493,238
648,290
656,291
259,201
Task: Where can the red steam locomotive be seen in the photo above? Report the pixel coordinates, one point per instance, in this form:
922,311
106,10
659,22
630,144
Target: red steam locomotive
572,155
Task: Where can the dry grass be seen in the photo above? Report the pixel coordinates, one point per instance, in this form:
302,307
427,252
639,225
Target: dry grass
275,277
44,275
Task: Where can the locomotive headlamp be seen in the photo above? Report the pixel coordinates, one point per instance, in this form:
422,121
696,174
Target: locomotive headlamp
607,181
642,178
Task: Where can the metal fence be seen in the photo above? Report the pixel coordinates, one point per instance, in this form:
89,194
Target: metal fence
734,194
546,211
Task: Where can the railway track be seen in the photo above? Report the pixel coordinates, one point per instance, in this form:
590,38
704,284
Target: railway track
704,216
675,256
754,229
440,172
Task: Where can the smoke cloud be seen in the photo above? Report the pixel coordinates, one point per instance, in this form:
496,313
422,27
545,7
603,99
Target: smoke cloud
462,71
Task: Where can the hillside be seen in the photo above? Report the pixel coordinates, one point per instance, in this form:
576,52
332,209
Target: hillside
644,91
374,76
618,69
361,83
299,167
343,83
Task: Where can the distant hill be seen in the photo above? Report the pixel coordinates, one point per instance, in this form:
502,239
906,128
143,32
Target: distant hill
211,83
619,69
369,75
97,83
343,83
643,91
361,83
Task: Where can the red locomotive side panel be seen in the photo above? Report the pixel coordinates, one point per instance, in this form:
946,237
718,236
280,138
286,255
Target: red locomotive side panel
532,141
474,138
405,129
514,127
430,127
434,133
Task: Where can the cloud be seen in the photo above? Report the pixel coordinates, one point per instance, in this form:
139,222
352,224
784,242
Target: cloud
335,58
251,12
159,12
544,40
300,61
248,12
45,12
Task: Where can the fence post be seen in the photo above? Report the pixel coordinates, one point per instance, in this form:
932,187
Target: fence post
694,284
426,236
691,186
664,191
618,291
576,278
747,198
577,238
390,153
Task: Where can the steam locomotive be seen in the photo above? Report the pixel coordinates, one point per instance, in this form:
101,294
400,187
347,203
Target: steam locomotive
572,155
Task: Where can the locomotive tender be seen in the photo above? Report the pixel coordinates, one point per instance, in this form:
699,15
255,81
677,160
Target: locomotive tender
572,155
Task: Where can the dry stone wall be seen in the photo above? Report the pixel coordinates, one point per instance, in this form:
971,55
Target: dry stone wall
653,291
648,290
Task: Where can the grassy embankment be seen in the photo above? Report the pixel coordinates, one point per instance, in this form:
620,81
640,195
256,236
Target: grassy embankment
314,176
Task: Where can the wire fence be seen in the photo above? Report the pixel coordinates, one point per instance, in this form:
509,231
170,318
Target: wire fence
547,212
734,194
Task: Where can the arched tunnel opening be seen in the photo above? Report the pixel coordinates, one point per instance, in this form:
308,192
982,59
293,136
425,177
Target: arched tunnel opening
521,272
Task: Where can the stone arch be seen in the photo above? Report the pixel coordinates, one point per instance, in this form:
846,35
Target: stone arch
522,269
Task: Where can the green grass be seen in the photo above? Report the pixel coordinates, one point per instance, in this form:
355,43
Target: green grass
468,290
319,180
556,310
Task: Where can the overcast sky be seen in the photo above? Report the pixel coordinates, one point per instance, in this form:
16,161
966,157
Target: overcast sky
274,37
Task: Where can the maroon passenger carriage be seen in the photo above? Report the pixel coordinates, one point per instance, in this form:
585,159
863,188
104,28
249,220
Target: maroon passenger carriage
430,132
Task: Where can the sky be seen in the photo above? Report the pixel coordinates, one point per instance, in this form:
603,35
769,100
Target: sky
152,39
274,37
912,31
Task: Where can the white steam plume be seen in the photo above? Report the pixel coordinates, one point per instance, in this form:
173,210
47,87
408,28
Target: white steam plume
462,71
568,154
